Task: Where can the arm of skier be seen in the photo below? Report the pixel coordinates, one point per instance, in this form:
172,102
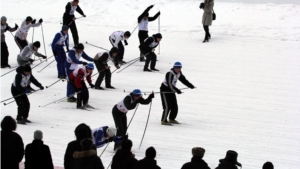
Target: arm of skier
78,80
86,57
18,80
73,57
55,40
39,55
169,77
98,139
208,7
67,42
78,9
154,17
89,78
143,14
146,101
147,43
24,53
128,104
185,81
35,24
34,81
10,29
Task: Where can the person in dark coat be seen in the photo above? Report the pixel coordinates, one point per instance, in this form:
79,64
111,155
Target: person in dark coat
82,131
197,161
37,154
230,161
124,158
12,147
268,165
149,161
87,158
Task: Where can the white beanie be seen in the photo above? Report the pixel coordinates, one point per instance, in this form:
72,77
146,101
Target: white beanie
111,131
38,135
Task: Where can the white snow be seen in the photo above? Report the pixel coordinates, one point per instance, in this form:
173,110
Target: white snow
247,78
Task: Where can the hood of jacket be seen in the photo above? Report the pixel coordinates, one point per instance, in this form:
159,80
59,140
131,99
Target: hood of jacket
83,131
84,154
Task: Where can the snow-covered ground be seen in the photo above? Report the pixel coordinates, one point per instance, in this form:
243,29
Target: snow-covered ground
247,78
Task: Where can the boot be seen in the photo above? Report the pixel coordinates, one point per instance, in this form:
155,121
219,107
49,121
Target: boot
99,88
110,87
27,121
22,121
147,70
153,69
166,123
173,121
205,40
72,99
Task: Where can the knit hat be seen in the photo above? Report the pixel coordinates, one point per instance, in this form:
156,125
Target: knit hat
27,68
136,92
177,65
28,18
268,165
64,28
158,35
127,33
232,157
90,66
151,153
113,50
3,18
37,44
126,144
38,135
79,46
198,151
111,131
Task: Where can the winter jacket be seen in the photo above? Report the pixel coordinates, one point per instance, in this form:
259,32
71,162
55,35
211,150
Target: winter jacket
27,52
99,136
196,163
59,40
12,150
38,155
224,164
87,160
78,75
123,159
101,61
24,28
18,80
146,163
130,103
67,14
207,14
149,43
5,28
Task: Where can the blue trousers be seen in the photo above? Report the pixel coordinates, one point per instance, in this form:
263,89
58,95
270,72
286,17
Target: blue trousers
70,87
60,59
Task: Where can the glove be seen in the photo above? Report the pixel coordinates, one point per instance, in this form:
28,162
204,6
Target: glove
31,60
179,92
153,50
125,41
92,86
151,95
41,20
16,26
33,22
84,15
158,13
42,87
118,139
44,57
192,87
84,63
68,50
27,91
151,6
110,139
201,5
55,53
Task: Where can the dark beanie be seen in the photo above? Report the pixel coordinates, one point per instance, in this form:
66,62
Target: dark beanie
126,144
79,46
113,50
158,35
127,33
64,28
198,151
28,18
268,165
27,68
150,153
37,44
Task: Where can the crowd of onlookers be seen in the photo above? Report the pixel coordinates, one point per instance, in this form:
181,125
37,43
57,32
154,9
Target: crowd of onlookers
81,153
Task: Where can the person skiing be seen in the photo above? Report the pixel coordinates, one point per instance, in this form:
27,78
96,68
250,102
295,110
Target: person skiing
24,57
4,48
101,60
103,135
59,53
120,110
116,40
143,20
69,18
147,49
19,90
71,64
77,78
167,93
21,35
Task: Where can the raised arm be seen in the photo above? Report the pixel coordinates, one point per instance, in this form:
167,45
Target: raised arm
78,9
128,104
144,13
154,17
86,57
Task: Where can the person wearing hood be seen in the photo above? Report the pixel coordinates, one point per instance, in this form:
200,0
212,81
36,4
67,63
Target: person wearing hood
21,35
60,40
124,158
37,154
103,135
82,131
207,17
120,110
24,57
143,20
12,146
230,161
147,48
4,49
19,91
167,93
149,161
197,160
116,41
101,60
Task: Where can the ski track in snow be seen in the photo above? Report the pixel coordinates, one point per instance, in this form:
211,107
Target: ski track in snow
247,79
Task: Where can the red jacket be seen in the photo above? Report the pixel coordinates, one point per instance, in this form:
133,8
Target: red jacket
79,74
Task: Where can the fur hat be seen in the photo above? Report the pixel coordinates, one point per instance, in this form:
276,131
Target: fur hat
38,135
126,144
268,165
27,68
198,151
3,18
151,153
232,157
37,44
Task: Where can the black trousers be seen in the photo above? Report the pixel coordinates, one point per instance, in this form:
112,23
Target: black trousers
206,29
121,49
4,54
22,102
150,57
142,36
73,29
101,75
120,119
82,97
169,103
21,43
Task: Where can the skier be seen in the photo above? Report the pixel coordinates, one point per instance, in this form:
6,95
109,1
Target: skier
58,50
4,49
19,91
104,135
167,93
143,20
71,64
116,40
24,57
120,110
147,49
101,60
21,35
69,18
77,79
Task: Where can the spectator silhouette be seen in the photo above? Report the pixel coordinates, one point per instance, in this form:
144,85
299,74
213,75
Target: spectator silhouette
197,161
124,159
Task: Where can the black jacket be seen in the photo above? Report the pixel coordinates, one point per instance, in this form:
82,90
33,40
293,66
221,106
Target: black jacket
68,9
169,77
12,150
102,61
18,80
145,46
87,160
131,106
196,163
38,155
226,165
149,18
123,159
146,163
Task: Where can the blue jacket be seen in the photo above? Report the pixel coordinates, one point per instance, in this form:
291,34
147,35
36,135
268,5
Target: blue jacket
99,135
57,37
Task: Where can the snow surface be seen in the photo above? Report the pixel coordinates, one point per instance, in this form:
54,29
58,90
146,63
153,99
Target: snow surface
247,78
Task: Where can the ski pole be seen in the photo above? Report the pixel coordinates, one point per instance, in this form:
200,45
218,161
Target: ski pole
19,96
44,41
32,34
45,66
54,83
164,92
132,117
131,60
96,46
104,149
146,125
134,29
158,32
12,97
73,21
128,65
